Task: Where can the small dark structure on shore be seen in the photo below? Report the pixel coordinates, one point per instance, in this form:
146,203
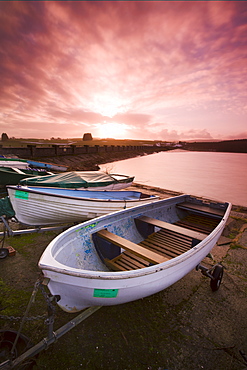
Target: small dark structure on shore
87,137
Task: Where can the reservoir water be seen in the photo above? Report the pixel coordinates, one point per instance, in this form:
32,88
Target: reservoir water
217,176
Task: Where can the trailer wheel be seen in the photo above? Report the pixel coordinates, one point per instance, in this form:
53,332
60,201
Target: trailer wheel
217,277
4,252
7,339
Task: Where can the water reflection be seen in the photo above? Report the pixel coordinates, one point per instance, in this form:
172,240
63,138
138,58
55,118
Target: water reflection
220,176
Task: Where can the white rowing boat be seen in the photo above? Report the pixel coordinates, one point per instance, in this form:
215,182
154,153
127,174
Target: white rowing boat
50,206
28,163
14,162
132,253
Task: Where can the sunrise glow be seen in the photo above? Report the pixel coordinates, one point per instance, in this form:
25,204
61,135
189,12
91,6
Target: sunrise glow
107,104
111,130
156,70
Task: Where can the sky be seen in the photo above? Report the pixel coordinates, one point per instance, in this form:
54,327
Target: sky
153,70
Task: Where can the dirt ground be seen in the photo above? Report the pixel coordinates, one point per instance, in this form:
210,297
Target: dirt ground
186,326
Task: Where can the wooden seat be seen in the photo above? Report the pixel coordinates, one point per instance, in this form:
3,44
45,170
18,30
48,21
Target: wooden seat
201,209
135,249
172,227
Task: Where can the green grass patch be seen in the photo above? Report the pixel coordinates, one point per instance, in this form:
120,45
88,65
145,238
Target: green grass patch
236,246
22,242
233,233
12,301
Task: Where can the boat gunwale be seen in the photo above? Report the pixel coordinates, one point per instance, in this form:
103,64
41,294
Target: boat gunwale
125,177
27,189
13,160
118,275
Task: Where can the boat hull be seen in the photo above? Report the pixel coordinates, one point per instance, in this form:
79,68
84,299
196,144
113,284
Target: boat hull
44,206
12,162
77,274
12,176
26,164
86,292
46,166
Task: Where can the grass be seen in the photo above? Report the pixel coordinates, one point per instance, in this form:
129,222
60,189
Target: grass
12,300
236,246
20,242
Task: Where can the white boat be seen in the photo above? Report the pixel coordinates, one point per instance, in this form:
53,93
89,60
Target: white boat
50,206
28,164
14,162
133,253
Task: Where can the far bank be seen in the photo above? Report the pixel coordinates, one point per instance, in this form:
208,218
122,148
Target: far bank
91,162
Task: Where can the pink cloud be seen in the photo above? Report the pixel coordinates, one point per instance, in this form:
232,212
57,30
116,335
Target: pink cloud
174,135
134,63
133,119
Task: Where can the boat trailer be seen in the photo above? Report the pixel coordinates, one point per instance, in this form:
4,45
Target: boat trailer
36,229
13,361
215,273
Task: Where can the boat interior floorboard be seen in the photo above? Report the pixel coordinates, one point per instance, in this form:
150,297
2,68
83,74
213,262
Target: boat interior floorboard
170,241
204,224
126,261
166,244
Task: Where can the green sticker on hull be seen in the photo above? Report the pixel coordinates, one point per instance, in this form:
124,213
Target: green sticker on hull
105,293
21,194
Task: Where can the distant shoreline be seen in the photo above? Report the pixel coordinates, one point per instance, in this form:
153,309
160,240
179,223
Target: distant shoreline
91,162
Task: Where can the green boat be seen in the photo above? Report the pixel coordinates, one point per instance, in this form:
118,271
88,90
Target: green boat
90,180
12,175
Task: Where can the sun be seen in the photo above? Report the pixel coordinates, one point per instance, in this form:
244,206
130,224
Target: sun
107,104
112,130
108,110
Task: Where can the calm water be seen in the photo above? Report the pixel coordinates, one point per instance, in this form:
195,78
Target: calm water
219,176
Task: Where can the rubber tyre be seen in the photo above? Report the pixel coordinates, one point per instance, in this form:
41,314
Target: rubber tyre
7,339
4,252
218,275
